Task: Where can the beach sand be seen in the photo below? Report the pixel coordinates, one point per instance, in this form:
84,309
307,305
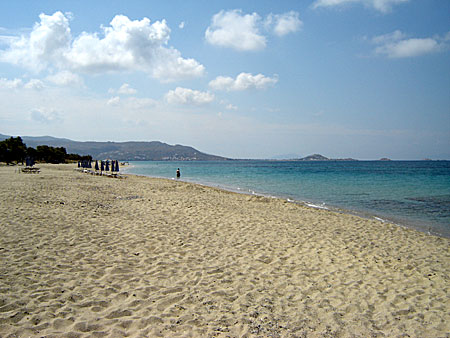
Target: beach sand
90,256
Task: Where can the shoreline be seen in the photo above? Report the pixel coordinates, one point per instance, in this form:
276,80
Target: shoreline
397,221
85,255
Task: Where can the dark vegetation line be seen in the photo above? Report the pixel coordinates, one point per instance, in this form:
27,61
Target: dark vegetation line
14,150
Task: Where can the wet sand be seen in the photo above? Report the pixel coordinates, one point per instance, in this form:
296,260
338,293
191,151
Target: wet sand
91,256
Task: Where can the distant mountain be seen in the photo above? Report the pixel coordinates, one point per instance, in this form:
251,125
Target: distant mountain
3,137
124,151
318,157
315,157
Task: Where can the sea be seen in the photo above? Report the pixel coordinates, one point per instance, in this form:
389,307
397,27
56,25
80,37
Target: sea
408,193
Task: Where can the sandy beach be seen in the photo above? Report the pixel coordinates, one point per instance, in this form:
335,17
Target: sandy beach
91,256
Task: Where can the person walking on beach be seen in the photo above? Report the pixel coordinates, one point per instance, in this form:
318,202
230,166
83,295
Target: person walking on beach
178,173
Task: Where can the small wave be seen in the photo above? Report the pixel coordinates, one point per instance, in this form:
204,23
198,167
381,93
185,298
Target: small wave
315,206
127,168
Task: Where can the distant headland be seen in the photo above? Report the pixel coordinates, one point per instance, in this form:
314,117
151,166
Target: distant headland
123,151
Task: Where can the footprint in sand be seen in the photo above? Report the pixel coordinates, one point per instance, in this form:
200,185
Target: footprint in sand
7,308
150,321
86,327
119,313
165,303
60,324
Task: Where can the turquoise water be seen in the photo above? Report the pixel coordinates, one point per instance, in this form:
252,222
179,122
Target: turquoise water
411,193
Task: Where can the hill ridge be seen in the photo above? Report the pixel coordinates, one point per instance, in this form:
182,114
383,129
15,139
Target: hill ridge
123,151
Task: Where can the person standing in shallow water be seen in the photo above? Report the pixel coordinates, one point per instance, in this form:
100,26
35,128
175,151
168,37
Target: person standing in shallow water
178,173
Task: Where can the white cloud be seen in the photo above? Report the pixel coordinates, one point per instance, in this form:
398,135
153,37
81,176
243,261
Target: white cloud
284,23
140,103
124,89
242,82
409,48
172,67
6,39
231,107
10,84
44,115
114,101
34,84
131,103
389,38
188,96
242,32
125,45
383,6
227,105
235,30
396,45
133,45
65,78
181,25
45,45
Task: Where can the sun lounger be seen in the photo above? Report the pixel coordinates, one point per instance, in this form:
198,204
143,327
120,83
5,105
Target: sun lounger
29,170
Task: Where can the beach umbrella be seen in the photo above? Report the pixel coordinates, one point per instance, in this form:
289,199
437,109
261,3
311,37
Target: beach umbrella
112,166
107,166
117,166
29,161
96,165
103,166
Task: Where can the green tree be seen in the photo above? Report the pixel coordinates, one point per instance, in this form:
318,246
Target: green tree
51,154
13,149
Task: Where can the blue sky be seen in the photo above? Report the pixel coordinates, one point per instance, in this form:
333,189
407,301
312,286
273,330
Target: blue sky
244,79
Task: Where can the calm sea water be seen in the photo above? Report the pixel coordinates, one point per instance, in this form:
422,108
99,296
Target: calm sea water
411,193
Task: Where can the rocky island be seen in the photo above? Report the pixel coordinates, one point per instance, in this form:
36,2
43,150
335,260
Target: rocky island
318,157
